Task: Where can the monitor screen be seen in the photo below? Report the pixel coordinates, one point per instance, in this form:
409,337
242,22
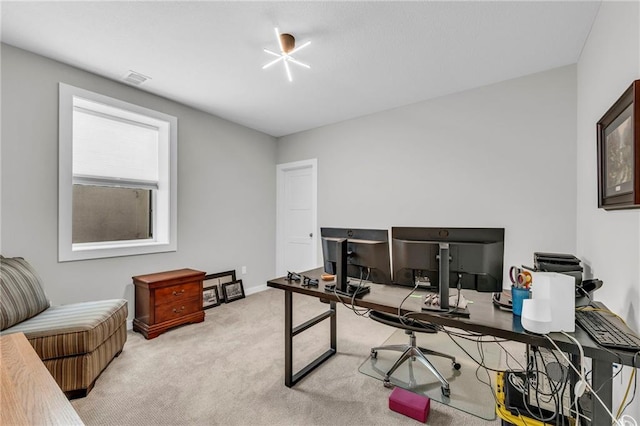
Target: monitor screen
476,256
367,253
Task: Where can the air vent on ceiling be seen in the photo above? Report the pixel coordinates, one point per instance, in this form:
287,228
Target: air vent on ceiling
135,78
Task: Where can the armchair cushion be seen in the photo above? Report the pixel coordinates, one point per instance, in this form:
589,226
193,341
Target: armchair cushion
73,329
22,294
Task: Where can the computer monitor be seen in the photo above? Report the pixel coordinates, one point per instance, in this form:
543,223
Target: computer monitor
356,253
474,258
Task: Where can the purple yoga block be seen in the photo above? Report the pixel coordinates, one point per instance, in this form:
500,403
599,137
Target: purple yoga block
410,404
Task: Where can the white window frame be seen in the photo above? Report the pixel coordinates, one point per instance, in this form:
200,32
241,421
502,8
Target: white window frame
165,201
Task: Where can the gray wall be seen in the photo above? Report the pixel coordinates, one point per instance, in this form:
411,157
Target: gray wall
498,156
226,187
608,241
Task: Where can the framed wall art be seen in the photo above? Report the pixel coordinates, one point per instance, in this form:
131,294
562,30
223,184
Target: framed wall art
218,279
618,134
233,291
210,297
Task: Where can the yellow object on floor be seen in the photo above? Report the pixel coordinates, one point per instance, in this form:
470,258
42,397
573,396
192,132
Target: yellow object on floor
505,414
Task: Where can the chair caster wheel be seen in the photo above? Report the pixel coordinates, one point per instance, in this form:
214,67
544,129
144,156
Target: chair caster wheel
445,391
456,365
374,354
387,383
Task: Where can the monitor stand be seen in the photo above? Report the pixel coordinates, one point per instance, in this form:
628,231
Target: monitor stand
342,286
451,311
443,281
432,303
358,290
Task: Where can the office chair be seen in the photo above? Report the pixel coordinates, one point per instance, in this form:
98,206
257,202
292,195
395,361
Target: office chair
411,350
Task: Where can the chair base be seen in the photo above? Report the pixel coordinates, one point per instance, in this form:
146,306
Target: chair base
413,352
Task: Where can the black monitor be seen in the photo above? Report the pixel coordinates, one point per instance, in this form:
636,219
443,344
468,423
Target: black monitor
475,258
356,253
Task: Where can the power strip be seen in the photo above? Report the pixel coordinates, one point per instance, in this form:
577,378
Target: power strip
553,374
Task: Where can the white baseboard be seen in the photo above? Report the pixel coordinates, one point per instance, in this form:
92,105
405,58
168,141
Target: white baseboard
254,290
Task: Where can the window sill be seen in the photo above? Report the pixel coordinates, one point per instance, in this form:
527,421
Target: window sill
85,251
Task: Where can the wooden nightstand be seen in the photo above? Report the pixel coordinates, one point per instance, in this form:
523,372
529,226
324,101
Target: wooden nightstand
167,299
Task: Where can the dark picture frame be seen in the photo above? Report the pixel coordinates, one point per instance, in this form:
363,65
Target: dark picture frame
218,279
233,291
618,134
210,297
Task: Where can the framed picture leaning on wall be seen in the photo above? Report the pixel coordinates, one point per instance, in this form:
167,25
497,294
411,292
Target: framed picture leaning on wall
210,297
618,133
217,280
233,291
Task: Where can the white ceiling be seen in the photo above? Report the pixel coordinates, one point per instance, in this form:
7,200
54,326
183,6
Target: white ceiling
365,56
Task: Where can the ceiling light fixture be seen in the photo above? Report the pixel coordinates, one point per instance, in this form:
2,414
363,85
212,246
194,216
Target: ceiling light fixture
287,44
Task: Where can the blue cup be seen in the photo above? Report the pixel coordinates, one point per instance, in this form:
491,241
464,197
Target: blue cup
518,294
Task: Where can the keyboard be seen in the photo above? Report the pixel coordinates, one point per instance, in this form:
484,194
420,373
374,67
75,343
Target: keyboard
605,332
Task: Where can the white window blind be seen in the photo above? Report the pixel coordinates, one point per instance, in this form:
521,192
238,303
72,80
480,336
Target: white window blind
108,148
117,177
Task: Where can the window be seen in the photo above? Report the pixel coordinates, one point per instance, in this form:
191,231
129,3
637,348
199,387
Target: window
117,178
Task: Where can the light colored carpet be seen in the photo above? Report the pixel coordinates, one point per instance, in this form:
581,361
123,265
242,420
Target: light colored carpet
229,370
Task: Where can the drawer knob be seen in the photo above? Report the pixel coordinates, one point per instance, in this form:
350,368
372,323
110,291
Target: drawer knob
177,311
178,293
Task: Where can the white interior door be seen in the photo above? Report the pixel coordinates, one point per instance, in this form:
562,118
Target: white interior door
296,240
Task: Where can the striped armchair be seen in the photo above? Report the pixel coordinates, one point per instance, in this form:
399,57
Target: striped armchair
76,342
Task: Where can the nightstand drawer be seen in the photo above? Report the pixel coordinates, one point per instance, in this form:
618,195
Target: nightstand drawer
177,292
177,309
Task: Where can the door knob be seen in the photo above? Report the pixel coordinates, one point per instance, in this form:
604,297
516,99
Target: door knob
311,235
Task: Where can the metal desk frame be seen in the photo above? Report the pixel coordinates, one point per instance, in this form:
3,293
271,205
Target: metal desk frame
291,378
485,319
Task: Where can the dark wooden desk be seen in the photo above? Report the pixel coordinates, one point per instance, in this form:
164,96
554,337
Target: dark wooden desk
485,318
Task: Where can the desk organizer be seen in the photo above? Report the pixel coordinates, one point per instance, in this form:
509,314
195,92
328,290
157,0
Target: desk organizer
410,404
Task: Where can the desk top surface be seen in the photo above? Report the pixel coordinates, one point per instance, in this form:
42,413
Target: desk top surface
485,318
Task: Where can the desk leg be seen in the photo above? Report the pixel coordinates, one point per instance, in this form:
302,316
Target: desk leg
290,332
333,325
601,372
288,338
